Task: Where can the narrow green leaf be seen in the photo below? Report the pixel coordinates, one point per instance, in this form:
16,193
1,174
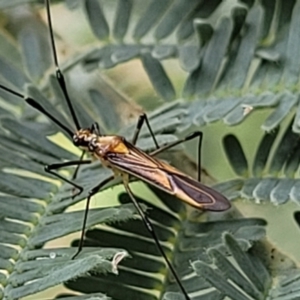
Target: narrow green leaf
35,47
152,14
236,155
176,12
295,192
63,224
189,56
146,264
25,187
104,110
216,280
231,189
11,226
237,114
122,17
238,70
284,150
287,102
37,139
7,252
12,74
93,296
115,289
292,65
221,110
12,239
231,273
244,261
213,57
249,187
263,152
18,161
96,19
173,296
104,238
281,193
296,125
65,273
18,146
158,77
292,163
264,188
6,265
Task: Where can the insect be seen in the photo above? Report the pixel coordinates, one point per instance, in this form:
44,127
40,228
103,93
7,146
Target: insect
126,160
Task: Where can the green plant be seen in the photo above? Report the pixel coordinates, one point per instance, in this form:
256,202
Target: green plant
238,56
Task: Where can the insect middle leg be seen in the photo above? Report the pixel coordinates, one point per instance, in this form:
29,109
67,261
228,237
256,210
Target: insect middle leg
92,192
191,136
142,119
197,134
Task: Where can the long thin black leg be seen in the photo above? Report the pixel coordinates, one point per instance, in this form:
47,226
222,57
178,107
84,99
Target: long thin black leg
56,166
77,167
150,228
91,194
96,128
143,118
196,134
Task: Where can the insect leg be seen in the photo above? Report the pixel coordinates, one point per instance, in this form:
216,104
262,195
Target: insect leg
193,135
143,118
78,165
150,228
96,128
91,194
56,166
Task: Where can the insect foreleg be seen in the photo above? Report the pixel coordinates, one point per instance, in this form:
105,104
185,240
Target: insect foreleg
92,192
96,128
57,166
78,166
143,118
196,134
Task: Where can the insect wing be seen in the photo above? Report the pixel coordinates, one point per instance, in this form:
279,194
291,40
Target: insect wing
197,194
169,179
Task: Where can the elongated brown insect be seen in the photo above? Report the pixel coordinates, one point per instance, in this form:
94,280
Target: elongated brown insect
126,160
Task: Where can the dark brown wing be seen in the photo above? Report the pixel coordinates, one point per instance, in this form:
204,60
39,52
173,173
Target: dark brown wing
167,178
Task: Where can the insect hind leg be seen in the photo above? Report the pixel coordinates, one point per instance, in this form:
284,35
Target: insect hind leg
151,230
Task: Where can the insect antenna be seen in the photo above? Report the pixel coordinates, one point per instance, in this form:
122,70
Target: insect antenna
40,108
59,75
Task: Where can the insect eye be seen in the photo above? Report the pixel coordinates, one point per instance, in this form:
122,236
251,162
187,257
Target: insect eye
76,140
